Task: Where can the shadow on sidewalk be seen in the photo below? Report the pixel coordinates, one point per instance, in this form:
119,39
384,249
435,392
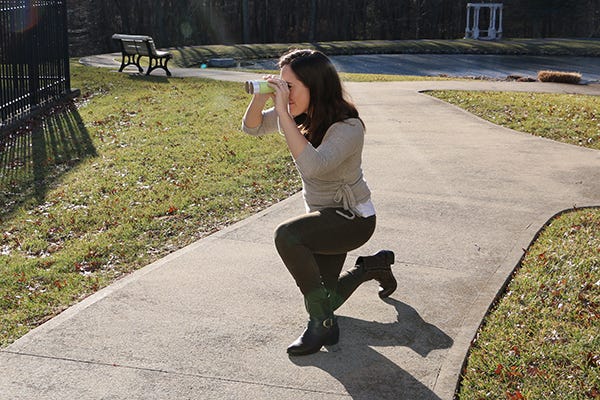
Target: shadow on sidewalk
367,373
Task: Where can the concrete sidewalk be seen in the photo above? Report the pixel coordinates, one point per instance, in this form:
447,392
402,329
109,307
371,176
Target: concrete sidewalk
458,199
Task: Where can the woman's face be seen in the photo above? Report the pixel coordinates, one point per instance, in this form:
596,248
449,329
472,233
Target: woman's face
299,94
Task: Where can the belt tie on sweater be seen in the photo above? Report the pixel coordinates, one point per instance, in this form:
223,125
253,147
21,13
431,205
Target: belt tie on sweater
345,196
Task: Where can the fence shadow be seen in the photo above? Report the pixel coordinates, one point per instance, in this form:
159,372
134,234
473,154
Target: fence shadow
366,373
34,156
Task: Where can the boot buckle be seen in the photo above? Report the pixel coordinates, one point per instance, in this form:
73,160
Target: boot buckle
328,323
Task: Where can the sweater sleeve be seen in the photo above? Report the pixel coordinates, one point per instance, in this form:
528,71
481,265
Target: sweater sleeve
342,140
269,124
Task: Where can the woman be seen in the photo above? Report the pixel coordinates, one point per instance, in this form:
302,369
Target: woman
325,137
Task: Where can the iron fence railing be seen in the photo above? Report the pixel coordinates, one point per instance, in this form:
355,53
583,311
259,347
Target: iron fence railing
34,57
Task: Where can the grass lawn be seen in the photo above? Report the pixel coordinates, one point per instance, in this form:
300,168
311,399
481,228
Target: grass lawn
542,339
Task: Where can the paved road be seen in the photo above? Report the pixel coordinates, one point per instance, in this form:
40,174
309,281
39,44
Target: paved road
491,66
457,199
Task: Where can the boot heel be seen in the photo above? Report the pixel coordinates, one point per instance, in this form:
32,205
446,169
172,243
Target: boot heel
383,273
334,336
333,348
389,256
387,287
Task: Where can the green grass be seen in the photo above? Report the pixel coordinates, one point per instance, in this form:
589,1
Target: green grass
195,55
142,167
542,341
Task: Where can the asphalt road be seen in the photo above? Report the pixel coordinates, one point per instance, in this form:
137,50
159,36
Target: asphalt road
460,65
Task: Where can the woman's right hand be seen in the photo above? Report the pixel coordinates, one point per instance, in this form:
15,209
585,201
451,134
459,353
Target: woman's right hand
253,116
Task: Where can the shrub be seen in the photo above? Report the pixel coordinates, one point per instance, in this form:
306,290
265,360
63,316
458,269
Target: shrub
558,76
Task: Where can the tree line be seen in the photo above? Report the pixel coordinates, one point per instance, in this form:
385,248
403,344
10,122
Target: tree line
196,22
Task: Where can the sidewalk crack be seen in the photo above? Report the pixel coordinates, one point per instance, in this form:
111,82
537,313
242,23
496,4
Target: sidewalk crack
175,373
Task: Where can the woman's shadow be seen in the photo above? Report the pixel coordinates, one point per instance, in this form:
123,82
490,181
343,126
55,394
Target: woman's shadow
365,372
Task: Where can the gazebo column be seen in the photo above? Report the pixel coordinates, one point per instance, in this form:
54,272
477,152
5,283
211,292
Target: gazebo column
476,23
492,27
499,35
468,28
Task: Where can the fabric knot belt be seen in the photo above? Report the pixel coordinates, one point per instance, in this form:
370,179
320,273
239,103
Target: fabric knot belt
345,196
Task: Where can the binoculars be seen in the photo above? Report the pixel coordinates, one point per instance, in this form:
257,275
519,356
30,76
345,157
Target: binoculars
258,87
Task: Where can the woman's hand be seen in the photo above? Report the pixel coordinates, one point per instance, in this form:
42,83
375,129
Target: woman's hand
295,140
281,96
253,116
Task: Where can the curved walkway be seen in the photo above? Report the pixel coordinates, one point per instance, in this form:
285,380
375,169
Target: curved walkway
458,199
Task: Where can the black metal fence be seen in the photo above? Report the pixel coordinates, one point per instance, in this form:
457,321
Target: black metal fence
34,57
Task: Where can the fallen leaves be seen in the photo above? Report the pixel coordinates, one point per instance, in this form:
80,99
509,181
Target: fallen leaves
534,371
172,210
498,370
514,395
593,360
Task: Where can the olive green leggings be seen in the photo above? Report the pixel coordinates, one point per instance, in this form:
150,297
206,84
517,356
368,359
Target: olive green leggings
314,246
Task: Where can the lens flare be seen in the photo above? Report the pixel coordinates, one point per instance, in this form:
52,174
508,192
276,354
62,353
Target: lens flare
25,18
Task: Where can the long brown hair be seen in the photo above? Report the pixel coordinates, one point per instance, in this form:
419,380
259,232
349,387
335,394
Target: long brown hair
328,102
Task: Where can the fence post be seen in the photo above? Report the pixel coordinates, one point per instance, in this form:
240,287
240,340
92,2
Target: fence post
34,58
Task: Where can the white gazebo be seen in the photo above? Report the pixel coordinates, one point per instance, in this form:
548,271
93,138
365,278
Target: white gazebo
492,33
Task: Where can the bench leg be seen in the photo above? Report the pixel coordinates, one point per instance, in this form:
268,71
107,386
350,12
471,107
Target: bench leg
131,60
123,65
158,62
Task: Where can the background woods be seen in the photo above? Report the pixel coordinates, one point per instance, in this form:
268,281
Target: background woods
196,22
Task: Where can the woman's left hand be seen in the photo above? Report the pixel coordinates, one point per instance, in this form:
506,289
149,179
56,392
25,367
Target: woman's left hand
282,95
295,140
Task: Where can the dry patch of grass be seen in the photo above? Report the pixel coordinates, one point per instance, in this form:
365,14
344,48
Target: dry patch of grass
559,77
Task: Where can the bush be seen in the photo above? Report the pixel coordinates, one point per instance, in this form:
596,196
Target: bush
558,76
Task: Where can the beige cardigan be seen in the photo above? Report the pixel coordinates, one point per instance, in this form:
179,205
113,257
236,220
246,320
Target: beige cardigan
331,173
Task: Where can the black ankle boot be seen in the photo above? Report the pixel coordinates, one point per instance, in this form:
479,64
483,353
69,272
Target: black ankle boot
322,327
379,267
318,333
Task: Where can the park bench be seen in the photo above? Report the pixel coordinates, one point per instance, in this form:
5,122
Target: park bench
134,47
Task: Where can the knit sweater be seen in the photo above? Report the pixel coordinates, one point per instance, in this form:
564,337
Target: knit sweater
331,173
